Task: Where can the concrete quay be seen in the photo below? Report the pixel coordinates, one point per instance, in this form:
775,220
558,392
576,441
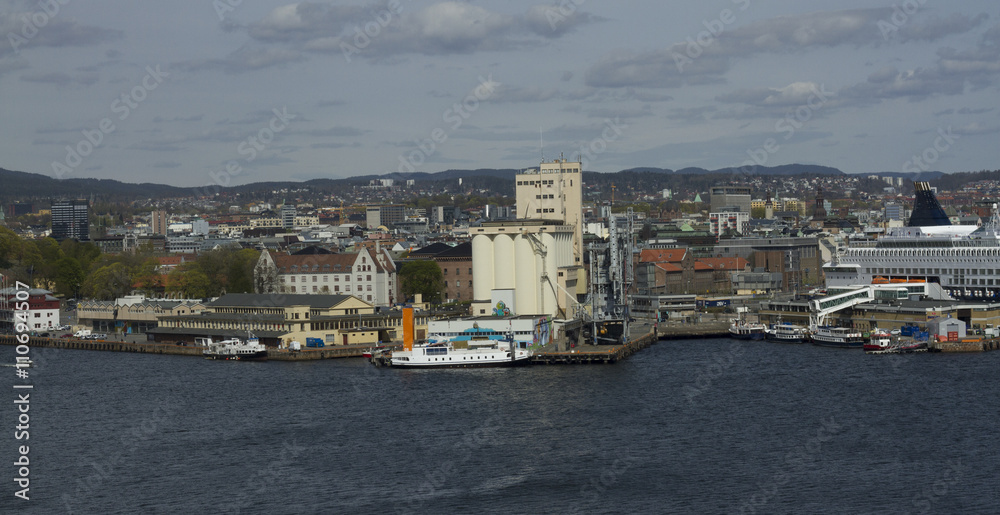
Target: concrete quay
306,354
967,346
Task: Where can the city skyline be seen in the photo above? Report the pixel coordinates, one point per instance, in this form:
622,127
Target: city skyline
230,92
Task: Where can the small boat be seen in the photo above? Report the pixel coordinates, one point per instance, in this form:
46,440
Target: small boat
374,351
843,337
787,333
880,342
445,354
234,349
742,330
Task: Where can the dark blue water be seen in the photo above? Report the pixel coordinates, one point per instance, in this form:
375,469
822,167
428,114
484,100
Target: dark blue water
702,426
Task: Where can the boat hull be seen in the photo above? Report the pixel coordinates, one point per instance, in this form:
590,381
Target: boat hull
789,339
839,344
747,336
256,356
468,364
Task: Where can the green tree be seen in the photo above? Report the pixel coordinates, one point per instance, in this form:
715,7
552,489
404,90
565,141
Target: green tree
10,247
239,276
190,281
108,282
423,277
69,276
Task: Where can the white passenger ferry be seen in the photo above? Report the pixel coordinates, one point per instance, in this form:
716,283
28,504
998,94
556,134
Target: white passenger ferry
474,353
233,349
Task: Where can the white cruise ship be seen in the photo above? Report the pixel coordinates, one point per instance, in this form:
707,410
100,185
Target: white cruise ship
963,259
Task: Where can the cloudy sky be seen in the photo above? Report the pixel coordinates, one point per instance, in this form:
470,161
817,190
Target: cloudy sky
191,93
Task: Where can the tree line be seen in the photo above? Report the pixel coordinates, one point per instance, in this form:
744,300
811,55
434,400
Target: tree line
73,269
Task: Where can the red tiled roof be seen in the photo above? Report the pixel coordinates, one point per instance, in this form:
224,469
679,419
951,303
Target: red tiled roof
669,267
662,255
170,260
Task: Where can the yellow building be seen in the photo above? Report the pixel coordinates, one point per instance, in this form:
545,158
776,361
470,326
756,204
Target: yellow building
278,319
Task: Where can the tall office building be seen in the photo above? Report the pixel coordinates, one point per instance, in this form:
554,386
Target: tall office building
723,197
158,222
71,219
287,216
388,215
554,192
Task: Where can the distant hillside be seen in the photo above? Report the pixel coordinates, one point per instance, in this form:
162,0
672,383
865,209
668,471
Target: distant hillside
792,169
23,185
37,187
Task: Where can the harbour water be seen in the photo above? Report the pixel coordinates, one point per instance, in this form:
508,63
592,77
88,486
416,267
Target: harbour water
685,426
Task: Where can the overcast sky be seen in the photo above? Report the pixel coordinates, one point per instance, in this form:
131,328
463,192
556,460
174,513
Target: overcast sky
191,93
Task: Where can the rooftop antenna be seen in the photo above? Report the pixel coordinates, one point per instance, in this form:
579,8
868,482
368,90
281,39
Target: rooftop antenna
541,143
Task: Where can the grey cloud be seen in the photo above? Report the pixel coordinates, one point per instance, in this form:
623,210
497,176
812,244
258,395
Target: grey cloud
552,21
976,128
192,118
691,63
245,59
937,28
794,94
60,79
58,31
334,132
611,112
167,164
156,146
982,110
9,64
388,29
334,145
691,114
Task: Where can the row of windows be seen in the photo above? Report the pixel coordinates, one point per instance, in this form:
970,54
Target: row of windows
458,271
545,196
326,268
336,278
336,289
921,271
547,210
974,282
535,183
